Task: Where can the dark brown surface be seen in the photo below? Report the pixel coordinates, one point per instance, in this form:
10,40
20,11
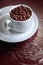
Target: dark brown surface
18,54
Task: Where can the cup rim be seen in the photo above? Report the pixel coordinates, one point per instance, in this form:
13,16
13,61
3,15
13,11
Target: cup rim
17,6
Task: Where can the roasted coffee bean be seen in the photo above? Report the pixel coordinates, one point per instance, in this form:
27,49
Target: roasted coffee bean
20,13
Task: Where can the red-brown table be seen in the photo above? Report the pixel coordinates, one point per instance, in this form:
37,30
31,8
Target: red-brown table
23,53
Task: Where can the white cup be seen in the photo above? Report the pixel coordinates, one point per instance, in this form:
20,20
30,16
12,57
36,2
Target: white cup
20,26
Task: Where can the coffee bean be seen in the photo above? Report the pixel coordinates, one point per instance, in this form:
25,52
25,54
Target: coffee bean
20,13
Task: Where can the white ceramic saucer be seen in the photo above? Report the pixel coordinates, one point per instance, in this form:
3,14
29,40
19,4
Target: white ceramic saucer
9,36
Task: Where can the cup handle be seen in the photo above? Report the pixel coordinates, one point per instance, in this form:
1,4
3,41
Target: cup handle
8,24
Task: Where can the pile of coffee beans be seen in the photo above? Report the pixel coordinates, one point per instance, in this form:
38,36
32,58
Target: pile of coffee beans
20,13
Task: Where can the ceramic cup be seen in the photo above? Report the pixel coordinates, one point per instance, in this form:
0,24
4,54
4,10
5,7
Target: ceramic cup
20,26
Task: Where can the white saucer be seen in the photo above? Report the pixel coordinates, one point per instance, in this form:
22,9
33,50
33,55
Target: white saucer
8,36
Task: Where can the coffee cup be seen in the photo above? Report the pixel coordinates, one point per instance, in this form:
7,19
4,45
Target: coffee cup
20,25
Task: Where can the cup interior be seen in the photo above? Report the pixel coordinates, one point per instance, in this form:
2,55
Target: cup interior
19,6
